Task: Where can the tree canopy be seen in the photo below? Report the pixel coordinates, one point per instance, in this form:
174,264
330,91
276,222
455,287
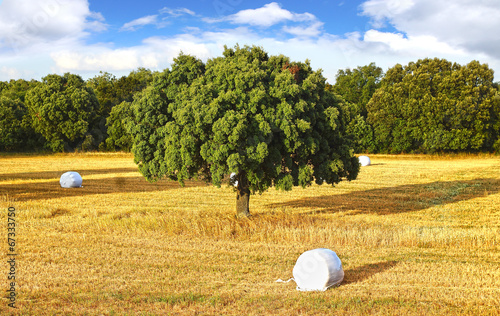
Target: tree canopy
62,109
433,105
357,87
16,131
266,119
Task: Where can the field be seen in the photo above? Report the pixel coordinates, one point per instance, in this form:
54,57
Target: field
417,235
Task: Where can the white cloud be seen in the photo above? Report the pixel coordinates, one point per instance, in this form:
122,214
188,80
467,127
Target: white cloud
158,20
133,25
10,72
382,10
177,12
270,14
24,24
464,24
154,53
413,45
305,31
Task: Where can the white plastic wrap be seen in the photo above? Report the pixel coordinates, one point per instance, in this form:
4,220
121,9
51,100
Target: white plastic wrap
317,270
71,179
364,161
233,180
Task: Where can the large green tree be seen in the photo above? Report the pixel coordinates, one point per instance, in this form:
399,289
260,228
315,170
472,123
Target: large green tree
434,105
267,119
63,110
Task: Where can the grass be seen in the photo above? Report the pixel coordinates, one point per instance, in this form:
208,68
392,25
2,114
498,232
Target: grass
417,235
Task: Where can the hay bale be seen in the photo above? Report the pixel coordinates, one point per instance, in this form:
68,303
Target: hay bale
232,179
364,161
317,270
71,179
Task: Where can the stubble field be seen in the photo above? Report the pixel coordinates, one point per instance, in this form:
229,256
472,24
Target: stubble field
417,235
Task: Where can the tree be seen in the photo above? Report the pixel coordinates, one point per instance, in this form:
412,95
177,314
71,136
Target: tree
16,133
357,87
11,129
267,119
136,81
110,93
105,89
63,110
118,136
433,105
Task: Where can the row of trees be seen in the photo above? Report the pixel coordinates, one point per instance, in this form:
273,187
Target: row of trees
431,105
427,106
66,113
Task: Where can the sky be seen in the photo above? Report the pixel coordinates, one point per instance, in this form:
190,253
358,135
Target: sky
84,37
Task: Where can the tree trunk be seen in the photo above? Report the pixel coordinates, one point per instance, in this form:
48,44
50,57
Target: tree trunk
242,197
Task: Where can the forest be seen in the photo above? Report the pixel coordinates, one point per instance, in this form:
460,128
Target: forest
427,106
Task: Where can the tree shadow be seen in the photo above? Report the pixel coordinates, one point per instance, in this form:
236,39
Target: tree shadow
400,199
52,189
366,271
57,174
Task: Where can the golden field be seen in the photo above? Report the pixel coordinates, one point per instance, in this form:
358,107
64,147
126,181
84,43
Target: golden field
417,235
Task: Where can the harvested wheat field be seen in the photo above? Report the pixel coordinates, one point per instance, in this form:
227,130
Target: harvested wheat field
417,235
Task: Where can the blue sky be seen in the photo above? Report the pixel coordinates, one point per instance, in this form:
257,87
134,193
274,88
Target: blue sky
38,37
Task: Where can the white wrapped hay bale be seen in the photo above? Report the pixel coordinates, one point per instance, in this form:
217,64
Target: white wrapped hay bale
71,179
233,180
364,161
317,270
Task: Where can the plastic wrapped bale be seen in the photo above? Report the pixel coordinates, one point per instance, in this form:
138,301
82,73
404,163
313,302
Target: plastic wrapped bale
317,270
71,179
364,161
233,180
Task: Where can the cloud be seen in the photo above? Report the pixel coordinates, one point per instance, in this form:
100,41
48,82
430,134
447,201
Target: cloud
464,24
153,53
28,23
308,31
158,20
269,15
135,24
176,12
11,72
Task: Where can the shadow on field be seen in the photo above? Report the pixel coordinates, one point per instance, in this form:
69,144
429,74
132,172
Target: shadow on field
362,273
57,174
400,199
52,189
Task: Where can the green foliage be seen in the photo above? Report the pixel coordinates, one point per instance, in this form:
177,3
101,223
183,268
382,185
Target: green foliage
16,133
118,136
357,87
112,92
267,119
128,86
362,132
63,110
104,87
433,105
11,117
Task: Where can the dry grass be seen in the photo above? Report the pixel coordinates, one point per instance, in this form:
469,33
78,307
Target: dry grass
417,235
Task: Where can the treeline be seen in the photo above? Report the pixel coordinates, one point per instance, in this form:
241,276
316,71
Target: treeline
427,106
66,113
